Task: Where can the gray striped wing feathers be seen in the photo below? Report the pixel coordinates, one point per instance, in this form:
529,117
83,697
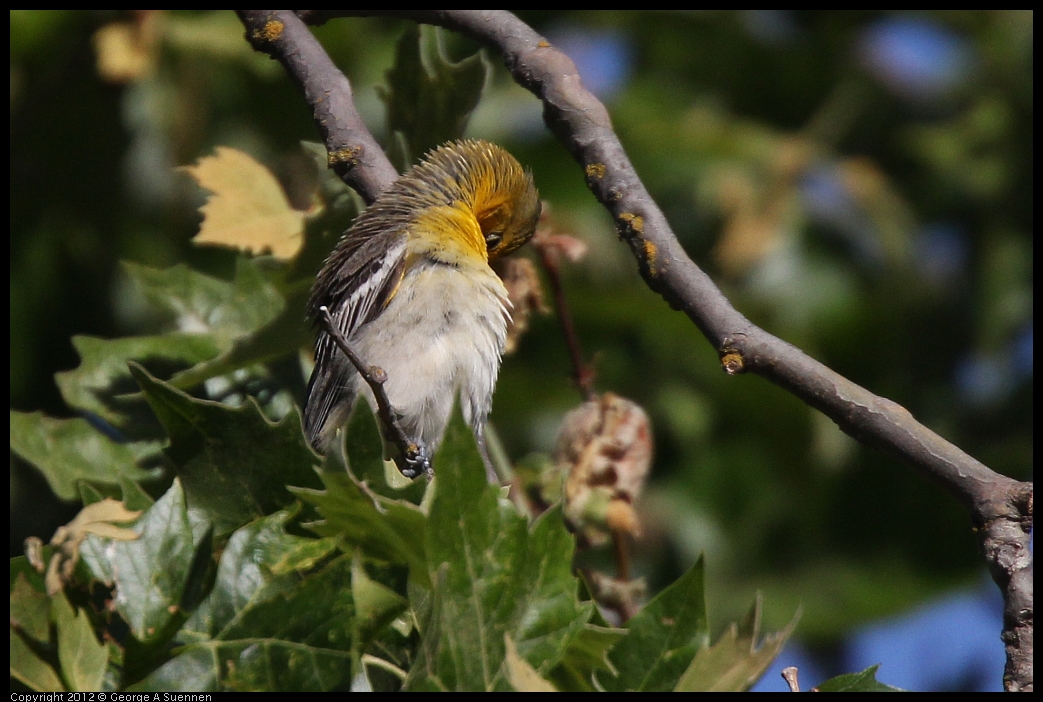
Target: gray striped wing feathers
355,284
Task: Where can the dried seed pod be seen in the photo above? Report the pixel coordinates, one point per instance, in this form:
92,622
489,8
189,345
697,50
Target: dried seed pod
605,447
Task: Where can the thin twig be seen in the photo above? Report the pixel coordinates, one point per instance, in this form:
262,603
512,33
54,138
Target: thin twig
619,549
411,458
582,374
790,676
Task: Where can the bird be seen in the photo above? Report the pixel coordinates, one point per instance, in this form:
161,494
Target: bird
410,288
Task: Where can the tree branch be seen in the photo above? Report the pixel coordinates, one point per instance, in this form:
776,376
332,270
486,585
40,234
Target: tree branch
354,154
1001,507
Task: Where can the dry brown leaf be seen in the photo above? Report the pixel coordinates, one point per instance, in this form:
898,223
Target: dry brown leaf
248,209
98,518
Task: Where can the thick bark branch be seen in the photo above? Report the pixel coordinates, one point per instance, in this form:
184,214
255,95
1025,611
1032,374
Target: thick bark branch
354,154
1000,506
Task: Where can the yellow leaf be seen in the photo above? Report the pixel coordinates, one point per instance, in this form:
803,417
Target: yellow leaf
125,51
522,676
248,209
108,512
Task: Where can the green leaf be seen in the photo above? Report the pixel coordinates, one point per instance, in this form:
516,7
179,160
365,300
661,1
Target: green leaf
376,606
83,659
273,631
31,670
30,610
253,568
492,576
281,336
254,319
663,637
429,98
586,655
365,450
257,664
89,494
151,573
133,496
234,463
738,659
317,611
102,385
211,317
202,304
67,451
864,681
22,568
388,530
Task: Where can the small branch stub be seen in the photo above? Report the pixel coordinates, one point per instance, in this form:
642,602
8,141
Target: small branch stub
790,676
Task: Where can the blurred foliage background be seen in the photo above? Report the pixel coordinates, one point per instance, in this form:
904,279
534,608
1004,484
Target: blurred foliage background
859,183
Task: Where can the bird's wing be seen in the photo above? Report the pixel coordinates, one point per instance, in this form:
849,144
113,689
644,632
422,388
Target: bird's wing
357,282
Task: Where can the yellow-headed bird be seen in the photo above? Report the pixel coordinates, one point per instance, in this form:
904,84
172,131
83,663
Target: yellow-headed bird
410,287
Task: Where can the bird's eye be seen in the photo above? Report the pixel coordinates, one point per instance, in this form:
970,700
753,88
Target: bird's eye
493,239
